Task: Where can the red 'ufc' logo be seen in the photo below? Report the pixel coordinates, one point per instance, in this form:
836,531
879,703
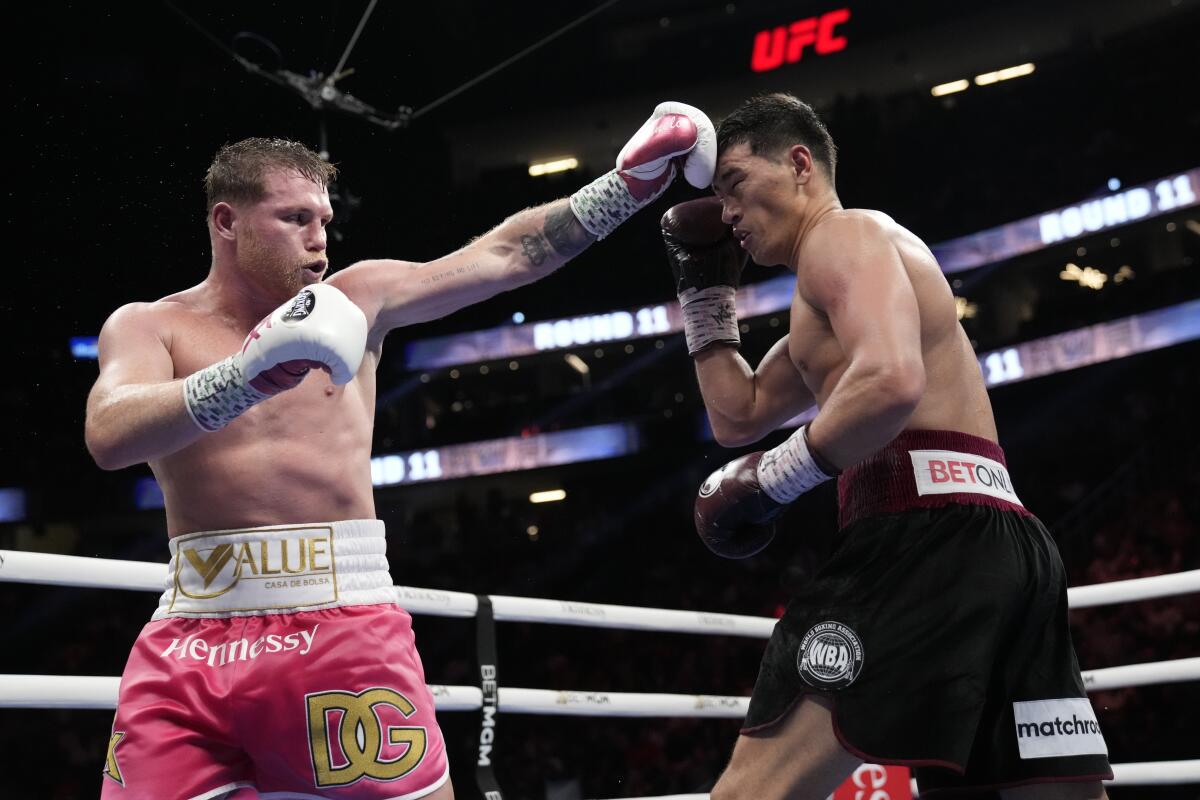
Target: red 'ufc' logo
785,44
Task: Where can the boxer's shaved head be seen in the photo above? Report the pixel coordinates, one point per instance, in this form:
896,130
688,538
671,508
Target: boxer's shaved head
238,170
771,123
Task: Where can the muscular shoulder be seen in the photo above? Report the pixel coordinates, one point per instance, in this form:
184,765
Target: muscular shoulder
361,281
153,319
156,313
844,233
370,284
843,247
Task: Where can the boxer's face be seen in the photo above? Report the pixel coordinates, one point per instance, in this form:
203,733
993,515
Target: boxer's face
758,198
281,239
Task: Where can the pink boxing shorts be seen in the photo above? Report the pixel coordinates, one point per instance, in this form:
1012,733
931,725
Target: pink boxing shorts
277,663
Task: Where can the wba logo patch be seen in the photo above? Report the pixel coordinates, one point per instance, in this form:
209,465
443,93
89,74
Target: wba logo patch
830,656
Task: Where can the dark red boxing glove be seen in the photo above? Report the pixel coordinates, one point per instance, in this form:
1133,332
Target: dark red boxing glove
707,265
701,247
734,516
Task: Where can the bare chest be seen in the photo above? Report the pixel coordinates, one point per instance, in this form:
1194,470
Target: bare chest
299,422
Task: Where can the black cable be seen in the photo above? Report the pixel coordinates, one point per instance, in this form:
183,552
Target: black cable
248,64
517,57
319,94
337,71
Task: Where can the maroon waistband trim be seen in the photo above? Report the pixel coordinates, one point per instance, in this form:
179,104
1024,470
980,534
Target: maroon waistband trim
885,482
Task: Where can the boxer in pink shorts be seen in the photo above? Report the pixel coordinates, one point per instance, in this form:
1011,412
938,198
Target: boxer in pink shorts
278,663
253,673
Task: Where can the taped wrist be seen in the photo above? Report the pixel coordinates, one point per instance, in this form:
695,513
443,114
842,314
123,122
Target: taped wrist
709,317
219,394
603,204
789,470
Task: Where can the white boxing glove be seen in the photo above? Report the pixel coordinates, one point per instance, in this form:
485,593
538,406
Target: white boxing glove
319,327
646,167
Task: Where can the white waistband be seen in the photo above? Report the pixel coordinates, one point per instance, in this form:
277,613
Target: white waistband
277,569
950,472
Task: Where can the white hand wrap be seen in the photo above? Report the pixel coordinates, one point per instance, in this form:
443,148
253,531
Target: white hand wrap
789,470
709,317
219,394
605,203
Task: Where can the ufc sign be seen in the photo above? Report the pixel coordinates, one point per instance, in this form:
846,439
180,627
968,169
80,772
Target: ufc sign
353,736
785,44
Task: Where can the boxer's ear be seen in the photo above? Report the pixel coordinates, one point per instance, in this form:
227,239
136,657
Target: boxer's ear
801,160
221,219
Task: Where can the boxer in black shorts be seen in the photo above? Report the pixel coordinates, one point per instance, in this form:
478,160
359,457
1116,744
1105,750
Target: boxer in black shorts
936,636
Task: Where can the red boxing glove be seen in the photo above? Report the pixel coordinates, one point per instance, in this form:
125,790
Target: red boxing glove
646,166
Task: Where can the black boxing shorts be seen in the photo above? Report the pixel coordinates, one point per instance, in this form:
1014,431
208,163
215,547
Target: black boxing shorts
938,628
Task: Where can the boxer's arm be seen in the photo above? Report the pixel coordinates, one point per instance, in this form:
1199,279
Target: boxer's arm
745,404
524,248
533,243
136,410
853,273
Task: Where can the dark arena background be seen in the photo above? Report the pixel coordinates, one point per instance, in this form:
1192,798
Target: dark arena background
1049,152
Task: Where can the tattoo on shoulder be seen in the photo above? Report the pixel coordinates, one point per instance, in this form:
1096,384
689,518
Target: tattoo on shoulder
535,248
565,234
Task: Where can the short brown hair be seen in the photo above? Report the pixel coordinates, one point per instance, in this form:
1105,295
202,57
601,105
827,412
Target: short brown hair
773,122
237,170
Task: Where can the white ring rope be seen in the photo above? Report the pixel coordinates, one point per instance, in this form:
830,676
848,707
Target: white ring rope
1177,671
96,692
1128,591
102,573
1156,773
74,691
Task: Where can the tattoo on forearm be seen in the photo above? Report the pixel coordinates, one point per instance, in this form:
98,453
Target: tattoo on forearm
565,234
446,274
535,248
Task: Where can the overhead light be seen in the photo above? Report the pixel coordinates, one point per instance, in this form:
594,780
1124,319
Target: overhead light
966,309
577,363
950,88
1087,276
1125,273
548,496
547,167
1005,74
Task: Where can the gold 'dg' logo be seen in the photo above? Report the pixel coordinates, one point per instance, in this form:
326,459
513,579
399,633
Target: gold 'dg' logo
350,736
